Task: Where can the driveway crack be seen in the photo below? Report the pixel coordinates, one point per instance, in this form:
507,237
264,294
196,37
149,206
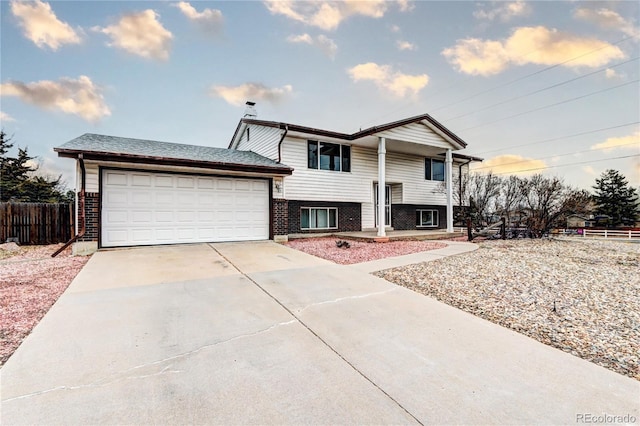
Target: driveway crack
340,299
125,374
335,351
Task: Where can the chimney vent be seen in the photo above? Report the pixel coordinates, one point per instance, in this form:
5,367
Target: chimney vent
250,110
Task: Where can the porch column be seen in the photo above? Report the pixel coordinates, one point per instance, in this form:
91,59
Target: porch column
449,176
381,187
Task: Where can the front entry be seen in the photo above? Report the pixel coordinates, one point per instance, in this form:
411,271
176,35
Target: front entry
387,204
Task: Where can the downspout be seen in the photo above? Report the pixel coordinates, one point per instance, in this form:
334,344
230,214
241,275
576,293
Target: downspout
80,234
286,130
460,179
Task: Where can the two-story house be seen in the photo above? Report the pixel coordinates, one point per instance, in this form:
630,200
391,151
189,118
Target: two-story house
275,179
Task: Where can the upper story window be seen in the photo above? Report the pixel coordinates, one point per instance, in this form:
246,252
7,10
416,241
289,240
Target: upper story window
434,169
328,156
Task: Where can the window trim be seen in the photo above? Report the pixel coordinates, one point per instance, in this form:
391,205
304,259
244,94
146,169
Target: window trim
431,160
433,211
319,208
318,155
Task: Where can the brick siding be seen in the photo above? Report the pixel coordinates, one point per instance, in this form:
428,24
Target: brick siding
92,213
349,216
403,216
280,217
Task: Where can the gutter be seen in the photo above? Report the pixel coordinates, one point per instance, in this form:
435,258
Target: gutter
286,130
83,176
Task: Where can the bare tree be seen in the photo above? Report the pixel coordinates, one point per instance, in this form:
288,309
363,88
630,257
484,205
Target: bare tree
510,198
545,200
484,190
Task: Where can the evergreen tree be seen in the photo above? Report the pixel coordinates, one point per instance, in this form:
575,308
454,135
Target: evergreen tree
18,182
616,198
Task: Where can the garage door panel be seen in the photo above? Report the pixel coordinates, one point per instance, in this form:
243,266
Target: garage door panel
145,208
116,178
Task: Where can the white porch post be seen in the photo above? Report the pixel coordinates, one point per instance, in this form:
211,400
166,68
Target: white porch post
381,187
449,176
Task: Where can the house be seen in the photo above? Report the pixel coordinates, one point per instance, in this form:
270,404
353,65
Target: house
275,179
578,221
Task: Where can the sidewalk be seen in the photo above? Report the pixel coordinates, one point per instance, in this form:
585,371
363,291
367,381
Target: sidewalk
453,248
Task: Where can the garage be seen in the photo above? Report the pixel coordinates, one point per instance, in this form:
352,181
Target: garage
148,208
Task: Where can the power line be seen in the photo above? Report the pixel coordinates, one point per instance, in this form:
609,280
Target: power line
543,89
559,138
551,105
560,155
507,83
531,74
568,164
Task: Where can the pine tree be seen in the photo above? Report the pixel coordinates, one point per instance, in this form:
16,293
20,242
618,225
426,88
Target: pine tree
616,198
18,182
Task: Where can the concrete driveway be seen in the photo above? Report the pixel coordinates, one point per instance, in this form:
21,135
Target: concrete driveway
248,333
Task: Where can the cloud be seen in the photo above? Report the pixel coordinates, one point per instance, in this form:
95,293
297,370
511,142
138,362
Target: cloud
394,29
510,163
141,34
237,95
504,11
631,142
325,44
209,20
405,45
4,117
41,26
80,97
406,5
608,19
386,78
328,15
530,45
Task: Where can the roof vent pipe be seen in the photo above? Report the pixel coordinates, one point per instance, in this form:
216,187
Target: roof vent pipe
250,110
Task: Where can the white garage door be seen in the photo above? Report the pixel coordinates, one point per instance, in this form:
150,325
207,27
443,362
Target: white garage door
143,208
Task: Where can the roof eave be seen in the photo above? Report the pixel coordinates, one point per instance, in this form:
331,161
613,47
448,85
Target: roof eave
130,158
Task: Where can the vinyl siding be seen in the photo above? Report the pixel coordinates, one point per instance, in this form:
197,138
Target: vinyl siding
261,140
357,186
416,133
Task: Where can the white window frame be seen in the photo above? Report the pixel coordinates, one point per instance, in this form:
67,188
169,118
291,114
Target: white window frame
434,214
319,208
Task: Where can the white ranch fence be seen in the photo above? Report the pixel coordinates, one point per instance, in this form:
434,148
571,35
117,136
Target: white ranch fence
611,233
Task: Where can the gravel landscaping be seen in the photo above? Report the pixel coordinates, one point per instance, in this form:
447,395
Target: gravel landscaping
359,251
580,296
30,283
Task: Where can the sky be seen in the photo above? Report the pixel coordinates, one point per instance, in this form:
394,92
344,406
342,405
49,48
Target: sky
533,87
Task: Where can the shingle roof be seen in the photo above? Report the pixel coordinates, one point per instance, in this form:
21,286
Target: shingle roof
103,146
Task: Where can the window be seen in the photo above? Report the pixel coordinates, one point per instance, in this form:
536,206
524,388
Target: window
426,218
433,169
328,156
318,218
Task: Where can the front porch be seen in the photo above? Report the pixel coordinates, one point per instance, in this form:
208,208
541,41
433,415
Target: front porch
393,235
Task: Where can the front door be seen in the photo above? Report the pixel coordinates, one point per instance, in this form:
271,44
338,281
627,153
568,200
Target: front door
387,204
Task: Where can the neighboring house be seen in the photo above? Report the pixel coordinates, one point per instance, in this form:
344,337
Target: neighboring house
577,221
275,179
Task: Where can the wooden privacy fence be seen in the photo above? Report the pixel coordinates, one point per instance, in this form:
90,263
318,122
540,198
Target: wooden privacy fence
36,223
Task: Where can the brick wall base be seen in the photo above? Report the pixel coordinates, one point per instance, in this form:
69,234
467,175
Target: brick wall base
280,217
403,216
91,212
349,216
